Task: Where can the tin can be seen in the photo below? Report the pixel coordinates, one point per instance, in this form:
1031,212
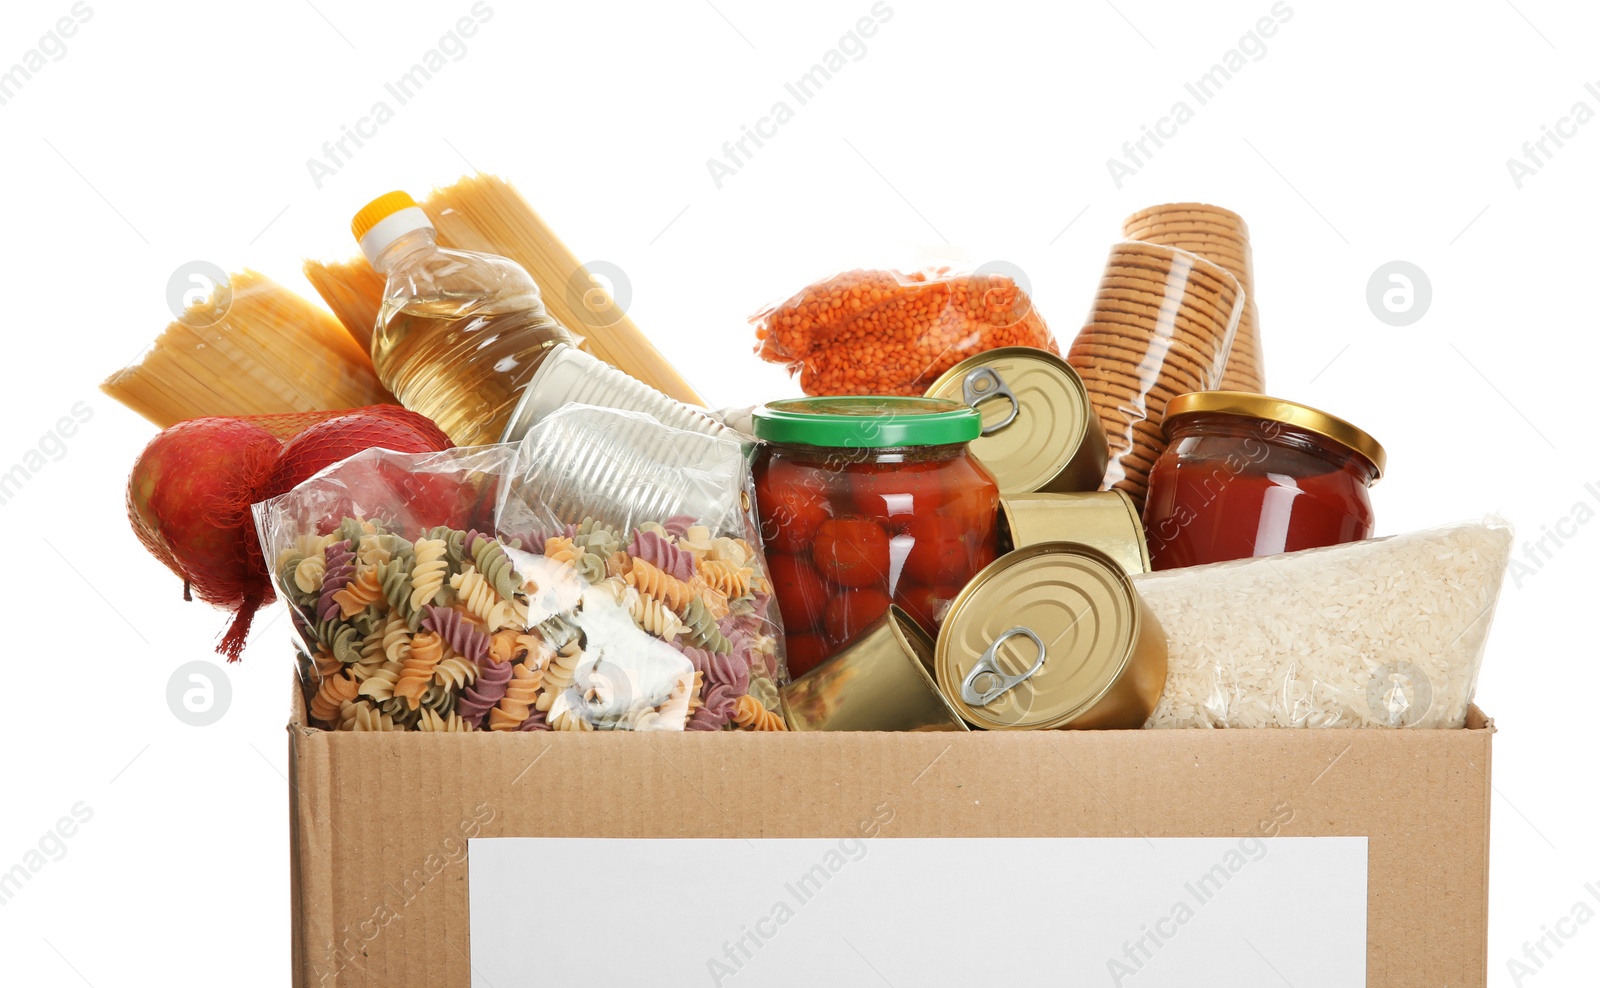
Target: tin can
1039,431
1104,520
878,683
1052,636
567,374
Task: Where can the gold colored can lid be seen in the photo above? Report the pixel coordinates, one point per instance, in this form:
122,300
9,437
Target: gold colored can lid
1039,638
1290,413
1035,413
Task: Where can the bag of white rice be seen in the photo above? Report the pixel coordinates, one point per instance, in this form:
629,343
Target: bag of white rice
1383,633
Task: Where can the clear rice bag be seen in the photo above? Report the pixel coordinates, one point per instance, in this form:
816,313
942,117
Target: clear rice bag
603,574
1383,633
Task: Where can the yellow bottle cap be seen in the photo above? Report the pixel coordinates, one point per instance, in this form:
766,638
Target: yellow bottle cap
378,210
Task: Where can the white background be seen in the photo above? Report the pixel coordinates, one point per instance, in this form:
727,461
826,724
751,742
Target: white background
1368,132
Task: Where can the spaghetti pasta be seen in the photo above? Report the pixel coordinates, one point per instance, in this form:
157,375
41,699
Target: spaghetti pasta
272,352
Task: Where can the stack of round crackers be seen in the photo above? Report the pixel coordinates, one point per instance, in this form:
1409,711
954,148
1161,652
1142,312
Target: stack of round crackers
1160,326
1219,236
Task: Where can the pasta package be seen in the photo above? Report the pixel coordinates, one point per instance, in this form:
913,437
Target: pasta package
889,333
450,592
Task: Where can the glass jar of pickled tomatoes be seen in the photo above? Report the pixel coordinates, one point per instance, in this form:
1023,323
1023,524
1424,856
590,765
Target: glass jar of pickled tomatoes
864,502
1247,475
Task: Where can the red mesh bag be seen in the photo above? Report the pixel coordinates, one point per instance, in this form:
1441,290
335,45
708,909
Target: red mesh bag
290,424
190,492
345,434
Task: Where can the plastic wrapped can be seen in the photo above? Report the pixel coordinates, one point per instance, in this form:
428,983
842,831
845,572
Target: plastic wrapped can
567,374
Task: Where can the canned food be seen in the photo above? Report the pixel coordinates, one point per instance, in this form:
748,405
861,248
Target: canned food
567,374
1105,520
1052,636
1039,431
880,682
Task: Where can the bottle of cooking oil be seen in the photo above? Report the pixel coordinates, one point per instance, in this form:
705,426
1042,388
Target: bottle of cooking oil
460,333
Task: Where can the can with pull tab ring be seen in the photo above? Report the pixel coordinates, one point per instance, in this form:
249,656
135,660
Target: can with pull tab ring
1051,636
1039,431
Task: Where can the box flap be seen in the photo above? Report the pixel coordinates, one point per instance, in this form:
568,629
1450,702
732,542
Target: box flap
1477,720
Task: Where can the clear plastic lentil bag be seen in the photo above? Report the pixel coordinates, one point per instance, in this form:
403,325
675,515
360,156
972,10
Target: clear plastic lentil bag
554,585
889,333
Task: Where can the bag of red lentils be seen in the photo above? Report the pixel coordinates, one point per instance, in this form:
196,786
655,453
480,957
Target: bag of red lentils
890,333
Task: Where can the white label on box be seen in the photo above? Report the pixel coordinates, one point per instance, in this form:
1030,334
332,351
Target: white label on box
919,913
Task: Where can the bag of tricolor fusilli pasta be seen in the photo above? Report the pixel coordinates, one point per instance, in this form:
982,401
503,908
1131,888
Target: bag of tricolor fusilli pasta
601,575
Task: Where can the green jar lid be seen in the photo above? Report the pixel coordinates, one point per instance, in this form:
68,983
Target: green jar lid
867,422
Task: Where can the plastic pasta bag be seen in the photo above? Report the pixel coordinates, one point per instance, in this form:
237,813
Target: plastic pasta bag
405,617
1383,633
444,592
661,524
888,333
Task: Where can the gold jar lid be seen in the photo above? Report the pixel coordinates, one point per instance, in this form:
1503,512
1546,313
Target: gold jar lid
1289,413
1045,635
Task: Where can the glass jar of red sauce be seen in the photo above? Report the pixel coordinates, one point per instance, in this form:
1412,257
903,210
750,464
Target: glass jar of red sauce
864,502
1247,475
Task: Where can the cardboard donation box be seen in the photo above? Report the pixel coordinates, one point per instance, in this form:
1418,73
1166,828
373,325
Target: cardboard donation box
1145,858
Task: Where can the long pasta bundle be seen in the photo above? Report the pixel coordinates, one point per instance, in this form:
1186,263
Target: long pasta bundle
485,213
273,352
353,291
